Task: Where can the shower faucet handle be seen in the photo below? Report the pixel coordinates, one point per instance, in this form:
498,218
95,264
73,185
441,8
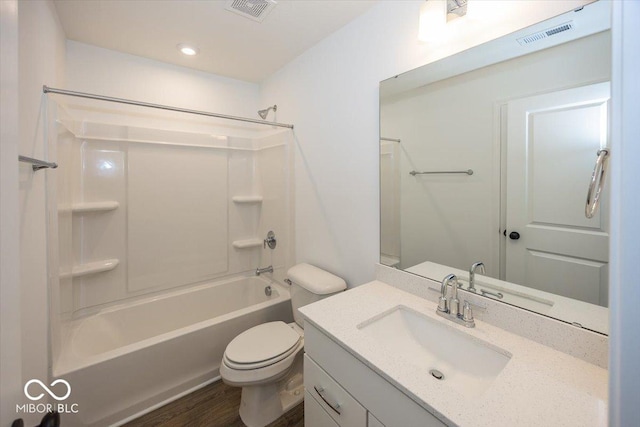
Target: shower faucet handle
270,240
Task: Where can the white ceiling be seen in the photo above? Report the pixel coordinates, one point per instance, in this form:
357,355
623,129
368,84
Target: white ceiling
230,45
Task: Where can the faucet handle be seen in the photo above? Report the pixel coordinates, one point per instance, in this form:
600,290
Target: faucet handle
442,305
270,241
467,313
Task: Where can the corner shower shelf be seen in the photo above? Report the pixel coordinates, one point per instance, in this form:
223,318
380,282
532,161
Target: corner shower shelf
247,244
247,199
91,268
94,207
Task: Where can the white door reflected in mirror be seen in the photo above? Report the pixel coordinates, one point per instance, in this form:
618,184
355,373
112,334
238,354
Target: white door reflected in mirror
552,140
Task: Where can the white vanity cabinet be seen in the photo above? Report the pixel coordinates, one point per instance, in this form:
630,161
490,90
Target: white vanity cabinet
343,391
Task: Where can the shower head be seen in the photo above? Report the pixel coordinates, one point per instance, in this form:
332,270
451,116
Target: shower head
263,113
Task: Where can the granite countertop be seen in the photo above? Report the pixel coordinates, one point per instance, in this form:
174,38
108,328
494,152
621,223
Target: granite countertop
539,386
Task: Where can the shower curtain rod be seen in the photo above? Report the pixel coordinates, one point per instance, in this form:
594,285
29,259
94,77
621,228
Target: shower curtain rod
47,89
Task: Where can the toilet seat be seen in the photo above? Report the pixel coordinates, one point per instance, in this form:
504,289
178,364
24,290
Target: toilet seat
269,370
261,346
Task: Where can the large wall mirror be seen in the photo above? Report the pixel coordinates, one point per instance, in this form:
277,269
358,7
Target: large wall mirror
487,155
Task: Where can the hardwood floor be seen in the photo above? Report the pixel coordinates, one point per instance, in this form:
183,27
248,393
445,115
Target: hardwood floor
215,405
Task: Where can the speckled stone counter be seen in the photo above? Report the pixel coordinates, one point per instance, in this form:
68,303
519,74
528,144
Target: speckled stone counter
539,386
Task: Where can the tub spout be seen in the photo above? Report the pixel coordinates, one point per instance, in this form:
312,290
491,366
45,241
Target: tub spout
259,270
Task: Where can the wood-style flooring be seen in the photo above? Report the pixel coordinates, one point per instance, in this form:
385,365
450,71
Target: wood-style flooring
215,405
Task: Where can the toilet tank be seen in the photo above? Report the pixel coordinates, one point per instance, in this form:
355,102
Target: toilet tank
310,284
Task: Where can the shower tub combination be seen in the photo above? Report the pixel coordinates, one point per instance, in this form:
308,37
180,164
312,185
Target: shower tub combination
157,222
129,359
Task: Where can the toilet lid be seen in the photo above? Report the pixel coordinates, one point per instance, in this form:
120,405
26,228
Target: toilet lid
261,343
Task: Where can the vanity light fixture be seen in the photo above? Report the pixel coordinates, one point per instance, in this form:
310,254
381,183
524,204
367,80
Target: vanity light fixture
434,16
187,49
456,9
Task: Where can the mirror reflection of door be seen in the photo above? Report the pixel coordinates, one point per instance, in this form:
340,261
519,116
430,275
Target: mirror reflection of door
550,245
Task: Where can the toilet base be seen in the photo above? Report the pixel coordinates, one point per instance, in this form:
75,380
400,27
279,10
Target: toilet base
263,404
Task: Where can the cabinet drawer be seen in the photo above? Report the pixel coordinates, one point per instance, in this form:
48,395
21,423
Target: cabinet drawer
339,404
314,415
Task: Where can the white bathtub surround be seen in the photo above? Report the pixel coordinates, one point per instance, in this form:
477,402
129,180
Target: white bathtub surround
538,385
164,205
123,360
584,344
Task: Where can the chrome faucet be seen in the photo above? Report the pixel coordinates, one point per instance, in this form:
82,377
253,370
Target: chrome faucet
259,270
443,304
472,274
450,309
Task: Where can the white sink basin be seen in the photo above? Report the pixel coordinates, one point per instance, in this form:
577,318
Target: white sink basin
468,365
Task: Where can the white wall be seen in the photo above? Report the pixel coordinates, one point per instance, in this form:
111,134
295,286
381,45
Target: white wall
106,72
41,61
330,93
10,361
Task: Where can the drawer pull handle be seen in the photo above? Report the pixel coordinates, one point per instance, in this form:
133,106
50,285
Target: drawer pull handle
334,406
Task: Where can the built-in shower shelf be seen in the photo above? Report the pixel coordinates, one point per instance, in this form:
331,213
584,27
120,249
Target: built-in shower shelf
247,199
247,244
78,208
91,268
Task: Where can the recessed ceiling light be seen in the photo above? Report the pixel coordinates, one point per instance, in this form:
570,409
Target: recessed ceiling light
187,50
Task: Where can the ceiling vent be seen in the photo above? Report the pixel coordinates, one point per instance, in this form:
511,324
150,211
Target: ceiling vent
256,10
567,26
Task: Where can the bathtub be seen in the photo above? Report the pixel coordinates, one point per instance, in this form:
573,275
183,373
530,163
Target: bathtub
126,360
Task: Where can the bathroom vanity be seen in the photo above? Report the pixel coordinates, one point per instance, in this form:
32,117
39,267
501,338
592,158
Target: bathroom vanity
377,355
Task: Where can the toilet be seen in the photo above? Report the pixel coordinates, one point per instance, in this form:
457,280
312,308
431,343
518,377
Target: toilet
266,360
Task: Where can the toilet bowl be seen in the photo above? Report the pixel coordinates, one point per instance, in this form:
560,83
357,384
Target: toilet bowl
266,360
